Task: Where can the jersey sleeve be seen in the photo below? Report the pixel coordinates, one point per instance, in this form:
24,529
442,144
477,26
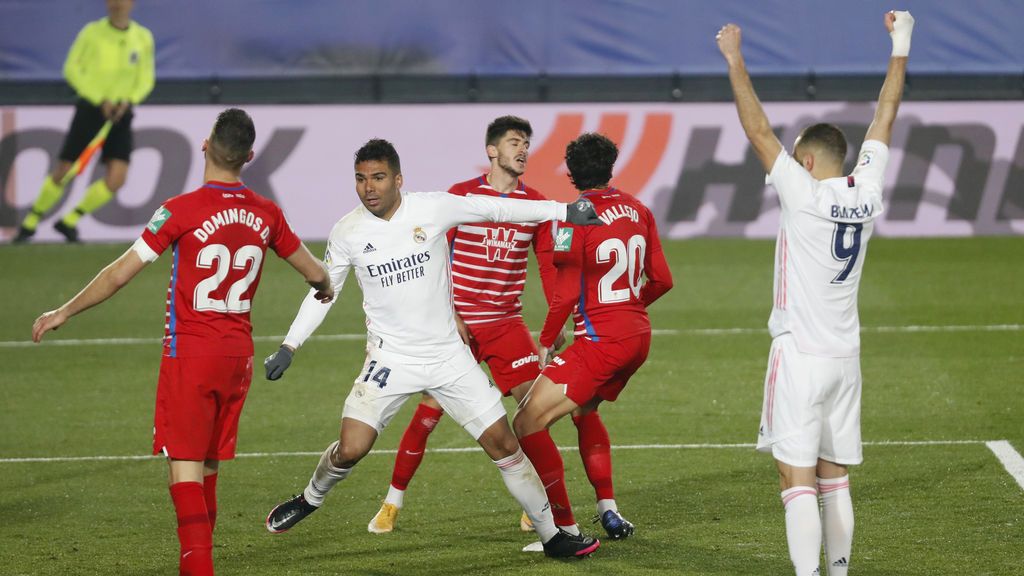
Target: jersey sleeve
73,67
456,210
871,163
455,190
146,78
567,256
659,275
792,181
543,248
283,239
163,229
312,312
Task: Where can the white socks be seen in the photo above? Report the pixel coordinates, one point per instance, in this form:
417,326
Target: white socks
803,529
837,521
606,505
395,496
525,486
324,478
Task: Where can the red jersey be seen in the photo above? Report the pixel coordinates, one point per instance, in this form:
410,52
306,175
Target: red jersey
489,259
601,270
219,234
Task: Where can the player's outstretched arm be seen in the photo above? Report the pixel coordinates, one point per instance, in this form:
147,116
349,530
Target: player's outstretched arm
752,117
103,286
900,26
314,271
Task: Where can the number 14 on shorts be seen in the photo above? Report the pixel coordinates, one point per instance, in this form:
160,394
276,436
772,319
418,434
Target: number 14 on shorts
378,375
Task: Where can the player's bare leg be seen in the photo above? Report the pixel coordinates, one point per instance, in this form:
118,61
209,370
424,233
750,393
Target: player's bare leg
407,461
836,515
355,441
803,522
96,195
522,482
542,406
195,534
596,452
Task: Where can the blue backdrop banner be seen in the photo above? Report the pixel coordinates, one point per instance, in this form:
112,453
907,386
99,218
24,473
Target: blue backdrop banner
198,39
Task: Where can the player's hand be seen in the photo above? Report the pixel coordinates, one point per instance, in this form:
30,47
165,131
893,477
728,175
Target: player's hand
545,354
107,108
559,341
464,332
900,25
48,321
729,39
278,362
324,297
119,111
582,213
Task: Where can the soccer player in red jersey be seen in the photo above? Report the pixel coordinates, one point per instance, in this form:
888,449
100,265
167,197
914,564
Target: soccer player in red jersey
488,277
219,235
600,278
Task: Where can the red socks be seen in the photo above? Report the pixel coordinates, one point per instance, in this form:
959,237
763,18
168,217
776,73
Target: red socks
210,495
194,534
414,442
595,449
542,452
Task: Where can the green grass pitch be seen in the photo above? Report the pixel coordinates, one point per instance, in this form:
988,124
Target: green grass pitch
921,509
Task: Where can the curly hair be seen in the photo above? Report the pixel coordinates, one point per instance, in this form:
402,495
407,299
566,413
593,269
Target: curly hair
590,159
380,149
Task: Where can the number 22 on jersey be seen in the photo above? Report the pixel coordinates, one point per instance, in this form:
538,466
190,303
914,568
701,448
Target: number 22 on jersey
629,260
219,254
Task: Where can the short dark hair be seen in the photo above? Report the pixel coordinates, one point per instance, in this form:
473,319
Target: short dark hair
501,126
590,159
380,149
232,138
827,137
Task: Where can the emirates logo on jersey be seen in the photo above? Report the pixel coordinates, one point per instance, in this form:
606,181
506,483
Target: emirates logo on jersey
499,242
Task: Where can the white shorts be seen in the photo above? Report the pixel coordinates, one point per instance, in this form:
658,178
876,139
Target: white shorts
457,383
811,407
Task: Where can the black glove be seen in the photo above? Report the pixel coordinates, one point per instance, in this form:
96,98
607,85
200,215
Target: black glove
278,362
581,212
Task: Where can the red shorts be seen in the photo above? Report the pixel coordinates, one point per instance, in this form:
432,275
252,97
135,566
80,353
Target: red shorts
509,350
602,369
198,402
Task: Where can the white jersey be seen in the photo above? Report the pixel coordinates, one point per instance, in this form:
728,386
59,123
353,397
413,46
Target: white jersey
819,253
402,267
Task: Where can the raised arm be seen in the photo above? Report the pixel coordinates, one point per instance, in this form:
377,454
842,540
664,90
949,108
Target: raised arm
900,26
752,116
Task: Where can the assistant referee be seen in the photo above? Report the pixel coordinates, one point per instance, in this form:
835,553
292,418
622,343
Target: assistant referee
110,67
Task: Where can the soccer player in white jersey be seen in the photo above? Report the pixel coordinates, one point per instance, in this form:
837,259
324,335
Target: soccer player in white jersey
397,245
810,420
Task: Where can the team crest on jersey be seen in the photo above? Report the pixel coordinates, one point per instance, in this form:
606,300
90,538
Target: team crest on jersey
419,235
499,242
159,218
563,240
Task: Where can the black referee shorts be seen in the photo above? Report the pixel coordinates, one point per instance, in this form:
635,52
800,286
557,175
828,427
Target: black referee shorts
87,123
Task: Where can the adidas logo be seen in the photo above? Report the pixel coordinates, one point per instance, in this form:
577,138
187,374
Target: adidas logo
369,248
841,563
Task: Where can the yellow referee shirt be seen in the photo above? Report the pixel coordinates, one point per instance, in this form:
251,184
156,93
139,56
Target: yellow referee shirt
106,63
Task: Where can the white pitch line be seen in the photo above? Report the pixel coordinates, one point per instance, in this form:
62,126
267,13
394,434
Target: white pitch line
710,446
657,332
1010,458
